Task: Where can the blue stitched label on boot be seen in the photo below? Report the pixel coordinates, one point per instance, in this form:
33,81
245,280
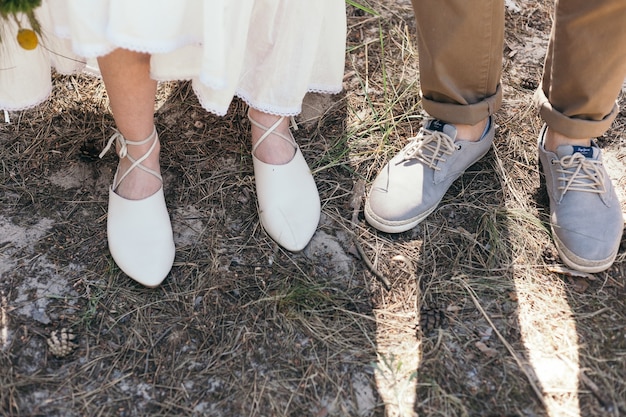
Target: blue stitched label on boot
436,125
586,151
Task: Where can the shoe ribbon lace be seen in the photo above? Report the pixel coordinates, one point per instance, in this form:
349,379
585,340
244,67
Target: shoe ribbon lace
272,131
430,148
122,151
578,173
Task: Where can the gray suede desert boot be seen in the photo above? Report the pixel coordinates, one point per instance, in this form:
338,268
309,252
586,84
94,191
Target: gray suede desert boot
413,183
585,214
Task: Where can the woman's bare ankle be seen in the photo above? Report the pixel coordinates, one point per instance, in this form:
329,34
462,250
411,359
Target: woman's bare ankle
139,184
274,149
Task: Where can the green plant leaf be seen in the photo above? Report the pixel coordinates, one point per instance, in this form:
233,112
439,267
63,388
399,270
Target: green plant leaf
359,6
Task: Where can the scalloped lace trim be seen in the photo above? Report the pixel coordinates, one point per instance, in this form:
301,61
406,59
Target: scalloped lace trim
101,49
42,98
208,105
325,89
285,111
275,110
159,47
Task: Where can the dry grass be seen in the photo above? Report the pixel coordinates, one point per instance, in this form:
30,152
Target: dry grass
475,323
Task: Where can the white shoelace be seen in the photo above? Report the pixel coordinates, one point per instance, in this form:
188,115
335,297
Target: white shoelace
430,148
580,174
271,131
123,144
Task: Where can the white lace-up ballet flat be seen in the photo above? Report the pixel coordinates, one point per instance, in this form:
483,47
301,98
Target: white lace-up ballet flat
139,231
288,200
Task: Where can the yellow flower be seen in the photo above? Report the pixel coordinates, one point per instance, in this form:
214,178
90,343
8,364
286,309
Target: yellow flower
27,39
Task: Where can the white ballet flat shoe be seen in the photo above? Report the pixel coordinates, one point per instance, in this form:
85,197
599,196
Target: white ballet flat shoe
288,200
139,232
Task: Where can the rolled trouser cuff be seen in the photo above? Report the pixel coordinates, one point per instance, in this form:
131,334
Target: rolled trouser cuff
468,114
571,126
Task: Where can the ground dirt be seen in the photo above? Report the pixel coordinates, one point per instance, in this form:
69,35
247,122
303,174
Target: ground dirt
481,318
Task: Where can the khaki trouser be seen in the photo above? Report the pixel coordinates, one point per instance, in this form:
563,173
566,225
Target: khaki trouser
460,44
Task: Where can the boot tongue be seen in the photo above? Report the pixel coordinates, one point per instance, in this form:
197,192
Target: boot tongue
439,126
589,152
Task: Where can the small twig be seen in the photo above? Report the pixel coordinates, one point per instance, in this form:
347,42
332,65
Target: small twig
357,197
508,346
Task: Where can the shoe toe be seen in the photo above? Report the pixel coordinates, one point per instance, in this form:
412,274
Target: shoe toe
395,202
292,232
289,203
587,240
140,237
589,244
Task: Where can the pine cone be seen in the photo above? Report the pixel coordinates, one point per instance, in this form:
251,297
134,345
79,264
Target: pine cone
60,342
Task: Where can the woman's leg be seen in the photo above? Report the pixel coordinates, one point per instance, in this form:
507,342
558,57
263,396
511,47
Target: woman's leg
139,231
132,92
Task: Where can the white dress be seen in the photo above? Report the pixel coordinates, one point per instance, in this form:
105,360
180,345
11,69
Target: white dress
267,52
